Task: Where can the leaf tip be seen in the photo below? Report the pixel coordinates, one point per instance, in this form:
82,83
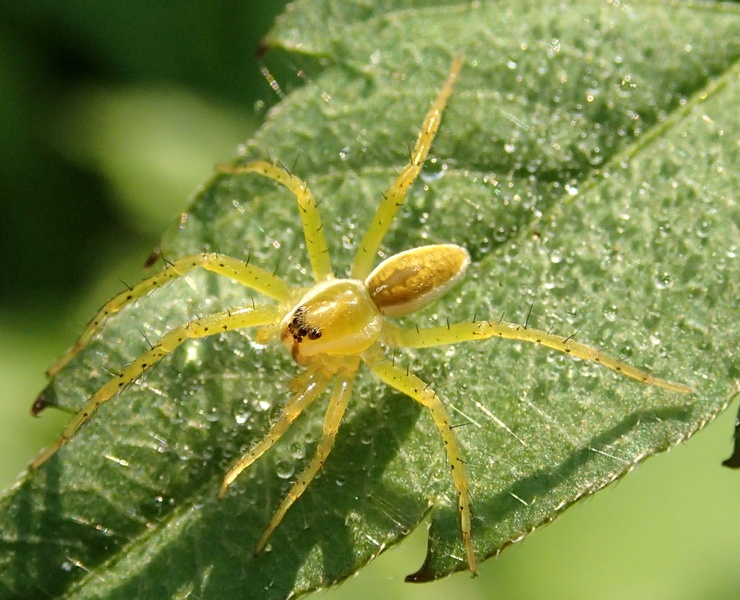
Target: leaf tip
44,400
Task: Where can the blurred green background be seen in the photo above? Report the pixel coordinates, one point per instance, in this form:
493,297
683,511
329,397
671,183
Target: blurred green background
111,114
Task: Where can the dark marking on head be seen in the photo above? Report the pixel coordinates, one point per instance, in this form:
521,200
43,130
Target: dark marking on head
298,328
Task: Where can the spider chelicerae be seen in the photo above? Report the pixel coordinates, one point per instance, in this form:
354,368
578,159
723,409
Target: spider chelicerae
335,324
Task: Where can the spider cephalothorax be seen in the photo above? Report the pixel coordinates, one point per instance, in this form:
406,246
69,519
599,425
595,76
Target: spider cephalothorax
335,317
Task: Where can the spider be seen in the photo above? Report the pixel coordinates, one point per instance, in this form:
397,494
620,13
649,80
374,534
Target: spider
334,325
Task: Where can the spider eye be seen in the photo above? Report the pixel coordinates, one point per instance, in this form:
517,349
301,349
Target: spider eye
410,280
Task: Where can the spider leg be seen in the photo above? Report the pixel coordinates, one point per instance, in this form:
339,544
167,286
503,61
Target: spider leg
393,199
334,413
415,388
258,279
480,330
316,248
203,327
314,382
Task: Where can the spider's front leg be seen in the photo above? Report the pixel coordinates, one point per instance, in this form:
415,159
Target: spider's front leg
313,232
198,328
334,413
307,387
253,277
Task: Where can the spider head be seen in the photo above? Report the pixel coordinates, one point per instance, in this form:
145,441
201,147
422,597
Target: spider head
335,317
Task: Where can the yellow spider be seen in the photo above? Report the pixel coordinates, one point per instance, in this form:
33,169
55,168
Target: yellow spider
335,324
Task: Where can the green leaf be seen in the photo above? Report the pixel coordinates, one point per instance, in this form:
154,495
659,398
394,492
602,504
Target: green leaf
588,162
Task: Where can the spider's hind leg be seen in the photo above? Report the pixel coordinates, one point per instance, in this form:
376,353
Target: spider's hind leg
393,199
481,330
416,389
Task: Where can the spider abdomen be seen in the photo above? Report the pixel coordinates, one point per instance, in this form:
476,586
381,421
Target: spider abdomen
410,280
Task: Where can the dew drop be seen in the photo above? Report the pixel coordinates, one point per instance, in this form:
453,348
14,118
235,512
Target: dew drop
284,469
298,451
500,234
556,256
263,405
611,313
663,281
